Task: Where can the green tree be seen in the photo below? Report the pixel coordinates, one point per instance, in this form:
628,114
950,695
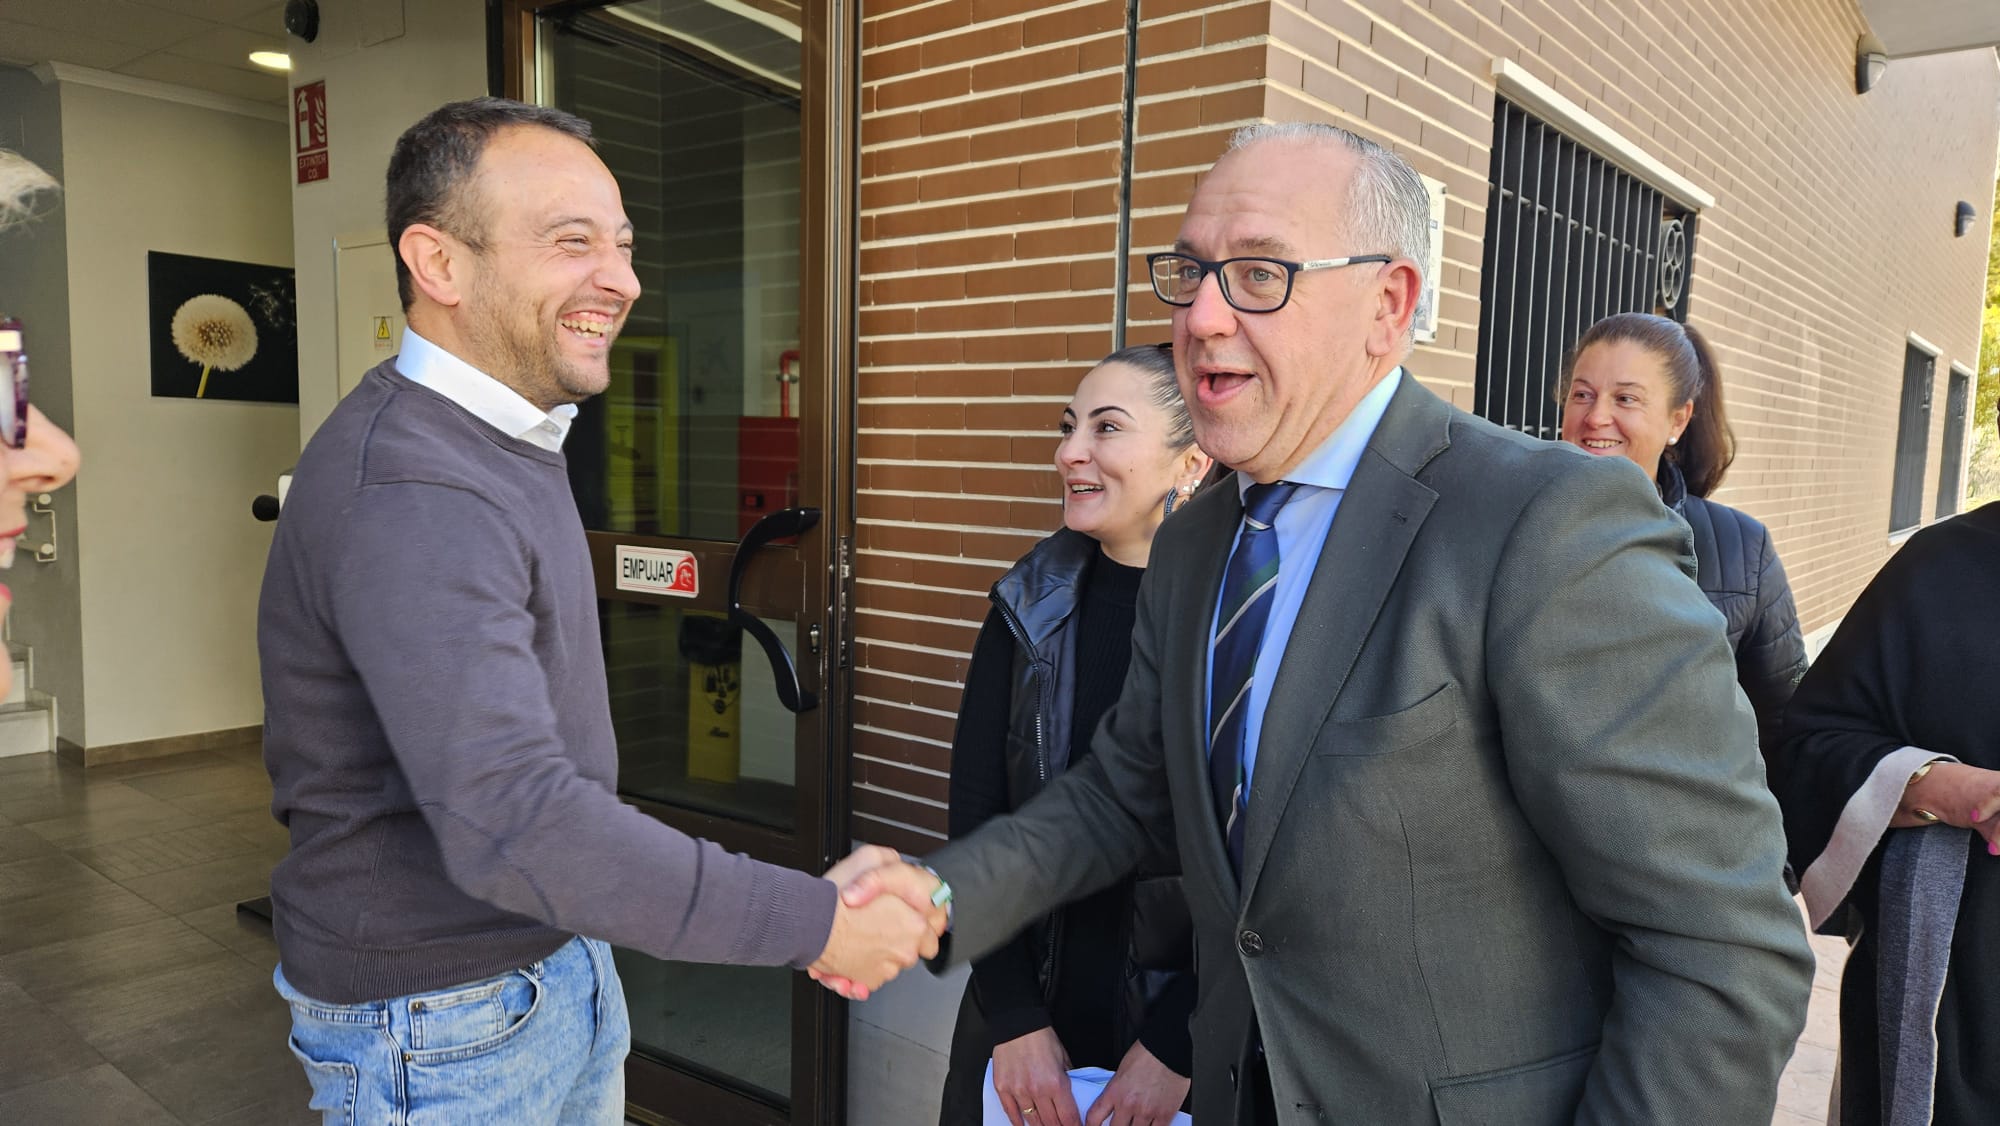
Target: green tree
1982,479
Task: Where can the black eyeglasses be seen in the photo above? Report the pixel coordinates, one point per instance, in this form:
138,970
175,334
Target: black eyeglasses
14,369
1250,285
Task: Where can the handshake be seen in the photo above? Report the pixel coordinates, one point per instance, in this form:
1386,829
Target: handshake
885,921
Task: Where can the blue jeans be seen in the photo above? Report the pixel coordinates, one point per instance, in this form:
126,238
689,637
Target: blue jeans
542,1044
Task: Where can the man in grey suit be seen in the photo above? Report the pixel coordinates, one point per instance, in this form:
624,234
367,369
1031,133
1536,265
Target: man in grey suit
1450,748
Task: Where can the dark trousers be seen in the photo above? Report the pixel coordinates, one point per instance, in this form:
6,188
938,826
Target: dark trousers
1263,1105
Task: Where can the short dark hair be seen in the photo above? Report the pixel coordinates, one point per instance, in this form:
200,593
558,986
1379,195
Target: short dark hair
1708,445
1163,387
435,160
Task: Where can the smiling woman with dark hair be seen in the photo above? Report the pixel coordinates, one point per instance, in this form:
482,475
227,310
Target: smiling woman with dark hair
1105,981
1648,389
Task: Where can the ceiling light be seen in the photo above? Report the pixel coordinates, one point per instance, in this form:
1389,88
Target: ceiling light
271,60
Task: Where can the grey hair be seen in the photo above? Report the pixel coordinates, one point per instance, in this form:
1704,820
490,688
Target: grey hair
21,181
1388,207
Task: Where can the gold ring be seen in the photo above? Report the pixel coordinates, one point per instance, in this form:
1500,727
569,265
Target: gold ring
1925,815
1027,1110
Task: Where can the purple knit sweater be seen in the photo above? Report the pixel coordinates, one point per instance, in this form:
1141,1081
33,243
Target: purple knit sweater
438,732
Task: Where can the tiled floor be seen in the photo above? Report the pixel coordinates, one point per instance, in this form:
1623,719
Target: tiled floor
132,993
1802,1093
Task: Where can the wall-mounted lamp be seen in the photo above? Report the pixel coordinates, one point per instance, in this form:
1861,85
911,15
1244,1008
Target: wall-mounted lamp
1963,222
1870,60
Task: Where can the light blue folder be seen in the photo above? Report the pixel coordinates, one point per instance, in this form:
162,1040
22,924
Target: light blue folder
1085,1084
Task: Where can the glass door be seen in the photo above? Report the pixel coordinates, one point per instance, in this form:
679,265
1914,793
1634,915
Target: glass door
711,478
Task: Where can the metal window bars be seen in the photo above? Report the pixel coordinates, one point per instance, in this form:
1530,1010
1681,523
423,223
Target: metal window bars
1570,239
1913,433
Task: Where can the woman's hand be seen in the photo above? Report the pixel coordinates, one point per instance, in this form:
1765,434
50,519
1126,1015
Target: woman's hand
1145,1092
1031,1076
1957,794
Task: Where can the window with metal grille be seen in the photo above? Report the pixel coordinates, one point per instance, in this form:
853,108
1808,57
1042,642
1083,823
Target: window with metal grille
1571,238
1951,480
1913,436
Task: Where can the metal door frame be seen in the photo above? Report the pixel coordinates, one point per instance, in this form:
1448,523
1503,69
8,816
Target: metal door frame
820,561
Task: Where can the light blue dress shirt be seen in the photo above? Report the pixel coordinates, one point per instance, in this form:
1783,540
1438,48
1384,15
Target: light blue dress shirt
484,397
1302,527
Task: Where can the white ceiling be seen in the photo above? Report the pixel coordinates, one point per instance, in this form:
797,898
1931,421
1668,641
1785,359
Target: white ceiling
205,44
1923,27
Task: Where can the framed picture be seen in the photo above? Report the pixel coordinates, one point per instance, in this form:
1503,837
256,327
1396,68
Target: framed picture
222,330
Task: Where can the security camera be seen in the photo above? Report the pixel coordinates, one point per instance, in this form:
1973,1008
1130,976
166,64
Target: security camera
302,18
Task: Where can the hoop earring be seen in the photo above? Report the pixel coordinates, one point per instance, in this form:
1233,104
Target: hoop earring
1171,495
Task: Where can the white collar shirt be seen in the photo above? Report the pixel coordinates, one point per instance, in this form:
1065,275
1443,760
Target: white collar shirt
484,397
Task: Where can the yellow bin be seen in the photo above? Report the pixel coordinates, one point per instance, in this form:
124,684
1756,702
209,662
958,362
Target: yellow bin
714,650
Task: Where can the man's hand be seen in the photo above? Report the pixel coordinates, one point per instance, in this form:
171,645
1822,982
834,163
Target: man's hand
1958,794
873,943
1145,1092
861,860
864,876
1031,1076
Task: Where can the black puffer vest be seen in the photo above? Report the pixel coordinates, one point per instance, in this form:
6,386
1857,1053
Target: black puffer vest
1038,600
1737,567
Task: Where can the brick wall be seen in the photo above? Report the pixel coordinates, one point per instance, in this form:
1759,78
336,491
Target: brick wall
991,137
1830,239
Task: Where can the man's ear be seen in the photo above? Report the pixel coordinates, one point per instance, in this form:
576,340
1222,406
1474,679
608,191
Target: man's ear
1400,289
437,263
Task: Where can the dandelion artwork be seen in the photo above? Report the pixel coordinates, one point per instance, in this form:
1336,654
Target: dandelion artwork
216,333
222,330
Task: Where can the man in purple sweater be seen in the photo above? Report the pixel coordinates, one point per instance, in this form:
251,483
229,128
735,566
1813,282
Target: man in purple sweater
437,726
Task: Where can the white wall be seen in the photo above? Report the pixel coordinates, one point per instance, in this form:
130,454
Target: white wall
169,558
373,93
34,286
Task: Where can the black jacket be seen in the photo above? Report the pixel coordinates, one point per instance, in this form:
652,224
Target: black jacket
1739,571
1036,605
1038,600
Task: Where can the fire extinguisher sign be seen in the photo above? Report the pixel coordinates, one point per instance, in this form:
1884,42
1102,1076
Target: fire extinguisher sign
654,570
309,131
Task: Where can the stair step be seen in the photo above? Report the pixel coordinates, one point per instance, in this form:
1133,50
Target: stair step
26,729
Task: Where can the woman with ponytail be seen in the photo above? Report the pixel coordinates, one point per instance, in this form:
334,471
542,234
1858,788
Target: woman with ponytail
1106,981
1646,388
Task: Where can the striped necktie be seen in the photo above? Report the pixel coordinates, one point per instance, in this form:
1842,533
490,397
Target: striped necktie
1248,589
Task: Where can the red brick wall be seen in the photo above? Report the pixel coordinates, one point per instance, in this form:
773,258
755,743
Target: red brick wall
991,137
1830,239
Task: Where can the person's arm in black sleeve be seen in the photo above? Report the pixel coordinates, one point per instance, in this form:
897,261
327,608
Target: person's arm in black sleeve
1772,656
1847,714
1009,992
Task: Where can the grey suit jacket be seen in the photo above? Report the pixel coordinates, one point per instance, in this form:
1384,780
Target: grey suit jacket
1510,856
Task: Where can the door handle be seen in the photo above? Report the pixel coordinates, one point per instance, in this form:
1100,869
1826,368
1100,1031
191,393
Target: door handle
782,524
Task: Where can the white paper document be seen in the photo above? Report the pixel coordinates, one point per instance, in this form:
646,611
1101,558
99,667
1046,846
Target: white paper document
1085,1084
